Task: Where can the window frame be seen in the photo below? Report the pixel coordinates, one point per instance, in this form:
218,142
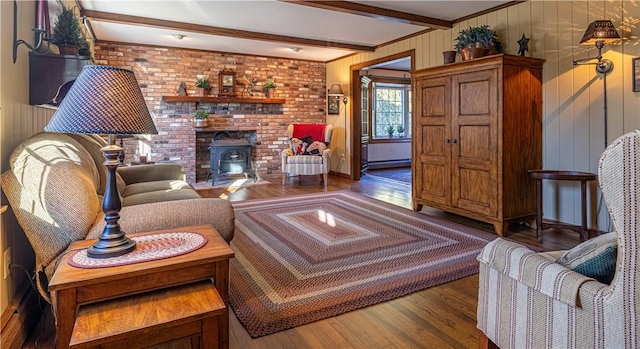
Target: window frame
407,111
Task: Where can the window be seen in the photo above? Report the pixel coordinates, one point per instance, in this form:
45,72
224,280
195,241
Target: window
391,110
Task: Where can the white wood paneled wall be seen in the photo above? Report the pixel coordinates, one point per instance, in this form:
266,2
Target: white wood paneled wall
573,125
18,120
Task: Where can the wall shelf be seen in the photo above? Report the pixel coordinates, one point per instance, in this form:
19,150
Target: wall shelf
48,73
212,99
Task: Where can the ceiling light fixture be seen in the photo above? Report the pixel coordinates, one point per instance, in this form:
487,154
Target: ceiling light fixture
295,49
178,36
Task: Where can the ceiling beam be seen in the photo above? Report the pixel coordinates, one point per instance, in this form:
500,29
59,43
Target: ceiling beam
375,12
204,29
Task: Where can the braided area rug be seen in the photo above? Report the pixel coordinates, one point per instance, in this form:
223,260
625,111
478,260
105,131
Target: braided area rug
304,258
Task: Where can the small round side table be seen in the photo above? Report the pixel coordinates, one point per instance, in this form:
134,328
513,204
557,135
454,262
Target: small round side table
583,177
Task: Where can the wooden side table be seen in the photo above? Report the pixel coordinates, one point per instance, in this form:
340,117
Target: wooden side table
190,311
583,177
73,287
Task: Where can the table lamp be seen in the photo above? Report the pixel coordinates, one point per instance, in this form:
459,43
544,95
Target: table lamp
105,100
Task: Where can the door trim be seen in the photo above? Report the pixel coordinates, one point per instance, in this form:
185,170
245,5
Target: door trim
356,119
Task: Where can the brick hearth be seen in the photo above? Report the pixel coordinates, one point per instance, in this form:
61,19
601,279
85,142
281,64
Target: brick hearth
161,70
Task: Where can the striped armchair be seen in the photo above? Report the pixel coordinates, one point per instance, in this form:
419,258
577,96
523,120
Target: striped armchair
298,159
528,301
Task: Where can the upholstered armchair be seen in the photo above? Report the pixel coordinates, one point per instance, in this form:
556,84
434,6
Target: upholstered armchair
308,152
527,300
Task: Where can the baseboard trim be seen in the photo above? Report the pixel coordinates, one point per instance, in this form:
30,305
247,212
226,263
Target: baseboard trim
19,318
339,174
389,164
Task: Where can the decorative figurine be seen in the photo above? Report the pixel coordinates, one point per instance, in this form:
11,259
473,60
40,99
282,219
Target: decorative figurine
182,89
524,45
248,85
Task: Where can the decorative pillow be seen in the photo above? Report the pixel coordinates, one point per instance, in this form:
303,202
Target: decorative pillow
296,145
315,148
307,140
595,258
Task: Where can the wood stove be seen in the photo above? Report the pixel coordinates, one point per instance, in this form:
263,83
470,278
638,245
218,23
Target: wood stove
230,156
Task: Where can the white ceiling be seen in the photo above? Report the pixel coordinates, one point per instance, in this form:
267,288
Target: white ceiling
271,17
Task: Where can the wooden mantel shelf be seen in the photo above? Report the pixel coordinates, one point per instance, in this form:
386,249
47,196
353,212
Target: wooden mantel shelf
212,99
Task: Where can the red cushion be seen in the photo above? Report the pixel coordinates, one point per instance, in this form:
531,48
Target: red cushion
316,131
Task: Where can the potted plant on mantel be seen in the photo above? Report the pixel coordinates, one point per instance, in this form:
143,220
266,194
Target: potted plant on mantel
268,88
201,119
66,32
203,86
476,42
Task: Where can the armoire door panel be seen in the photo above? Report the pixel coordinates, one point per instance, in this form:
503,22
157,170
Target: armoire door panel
474,127
477,191
474,142
473,97
435,183
434,140
434,101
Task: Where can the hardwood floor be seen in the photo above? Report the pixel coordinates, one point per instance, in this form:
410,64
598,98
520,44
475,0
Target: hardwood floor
439,317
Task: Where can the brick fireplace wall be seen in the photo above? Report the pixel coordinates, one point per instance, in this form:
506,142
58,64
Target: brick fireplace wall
160,71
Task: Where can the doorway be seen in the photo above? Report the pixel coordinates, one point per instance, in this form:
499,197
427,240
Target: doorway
367,135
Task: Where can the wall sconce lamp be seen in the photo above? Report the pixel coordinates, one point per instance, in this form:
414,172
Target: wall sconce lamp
335,91
40,30
599,32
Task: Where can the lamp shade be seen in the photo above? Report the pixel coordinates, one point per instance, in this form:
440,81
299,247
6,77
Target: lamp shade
335,90
103,100
602,30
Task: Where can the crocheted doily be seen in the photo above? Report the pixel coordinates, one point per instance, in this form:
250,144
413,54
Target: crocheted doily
148,248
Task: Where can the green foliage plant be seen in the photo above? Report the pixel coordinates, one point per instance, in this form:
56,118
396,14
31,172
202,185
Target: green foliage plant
201,115
391,130
66,29
269,84
482,34
84,49
400,129
203,82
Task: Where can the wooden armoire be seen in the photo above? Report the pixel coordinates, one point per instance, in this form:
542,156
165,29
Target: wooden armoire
477,129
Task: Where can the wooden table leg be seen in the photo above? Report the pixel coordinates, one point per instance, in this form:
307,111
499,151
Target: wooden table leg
222,285
583,193
539,209
65,308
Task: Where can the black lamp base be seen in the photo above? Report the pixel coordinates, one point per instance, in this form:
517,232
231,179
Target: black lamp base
112,242
111,248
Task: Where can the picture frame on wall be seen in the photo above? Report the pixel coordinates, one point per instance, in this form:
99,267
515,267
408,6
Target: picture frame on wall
636,74
333,105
